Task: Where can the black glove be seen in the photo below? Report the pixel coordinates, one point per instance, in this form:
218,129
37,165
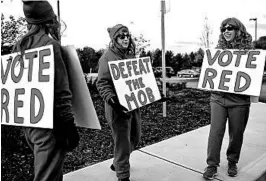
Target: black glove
67,134
114,103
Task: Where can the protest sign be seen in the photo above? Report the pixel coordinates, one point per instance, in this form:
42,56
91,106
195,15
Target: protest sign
233,71
84,111
134,82
27,88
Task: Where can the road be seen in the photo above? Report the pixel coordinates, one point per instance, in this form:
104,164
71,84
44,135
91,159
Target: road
193,83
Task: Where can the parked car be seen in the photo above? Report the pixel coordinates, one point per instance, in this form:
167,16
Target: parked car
188,73
158,71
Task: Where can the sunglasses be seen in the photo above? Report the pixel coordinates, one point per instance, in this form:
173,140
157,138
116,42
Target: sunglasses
229,28
123,36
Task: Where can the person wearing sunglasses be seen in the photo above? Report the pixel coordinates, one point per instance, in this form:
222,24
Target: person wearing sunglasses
233,107
125,126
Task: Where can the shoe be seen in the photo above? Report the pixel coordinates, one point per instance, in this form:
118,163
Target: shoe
210,172
124,179
112,167
232,169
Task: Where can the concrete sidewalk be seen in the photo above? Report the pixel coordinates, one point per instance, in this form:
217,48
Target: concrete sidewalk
183,157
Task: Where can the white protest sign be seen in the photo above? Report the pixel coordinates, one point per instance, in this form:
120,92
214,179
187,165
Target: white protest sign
134,82
84,111
27,88
233,71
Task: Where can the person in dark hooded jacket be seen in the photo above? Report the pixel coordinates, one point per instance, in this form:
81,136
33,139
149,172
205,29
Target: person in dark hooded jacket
125,126
261,44
233,107
49,145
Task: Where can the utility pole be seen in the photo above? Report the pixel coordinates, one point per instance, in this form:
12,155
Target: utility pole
163,10
254,19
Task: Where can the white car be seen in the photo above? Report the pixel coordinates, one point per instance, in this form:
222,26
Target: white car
188,73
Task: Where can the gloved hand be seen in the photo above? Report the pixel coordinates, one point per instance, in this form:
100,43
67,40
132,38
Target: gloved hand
114,103
67,134
72,137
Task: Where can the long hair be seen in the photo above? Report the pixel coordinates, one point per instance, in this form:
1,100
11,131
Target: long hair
25,42
242,39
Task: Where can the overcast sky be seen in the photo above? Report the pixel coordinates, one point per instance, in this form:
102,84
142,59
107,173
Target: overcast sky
87,20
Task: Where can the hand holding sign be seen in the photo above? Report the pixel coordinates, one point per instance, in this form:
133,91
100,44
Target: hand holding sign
114,103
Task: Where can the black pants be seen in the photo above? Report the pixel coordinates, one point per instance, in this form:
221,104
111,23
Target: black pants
237,120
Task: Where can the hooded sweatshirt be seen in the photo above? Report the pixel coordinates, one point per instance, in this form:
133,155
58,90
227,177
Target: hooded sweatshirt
115,52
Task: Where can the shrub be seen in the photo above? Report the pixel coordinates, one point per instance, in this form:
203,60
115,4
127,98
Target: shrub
12,137
177,86
171,85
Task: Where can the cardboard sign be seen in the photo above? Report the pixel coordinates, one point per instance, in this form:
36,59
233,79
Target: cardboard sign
27,88
134,82
84,111
233,71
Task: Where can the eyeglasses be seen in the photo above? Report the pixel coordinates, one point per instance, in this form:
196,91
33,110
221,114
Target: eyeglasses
229,28
123,36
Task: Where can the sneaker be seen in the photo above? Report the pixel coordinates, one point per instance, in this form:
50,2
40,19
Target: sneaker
124,179
232,169
112,167
210,172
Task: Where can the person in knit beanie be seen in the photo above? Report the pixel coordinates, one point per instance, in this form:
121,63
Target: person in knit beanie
125,46
125,126
49,145
228,106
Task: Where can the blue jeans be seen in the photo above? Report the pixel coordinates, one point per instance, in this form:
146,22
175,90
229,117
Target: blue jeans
237,121
48,154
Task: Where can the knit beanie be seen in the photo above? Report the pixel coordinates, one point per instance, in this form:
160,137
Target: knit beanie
38,12
113,32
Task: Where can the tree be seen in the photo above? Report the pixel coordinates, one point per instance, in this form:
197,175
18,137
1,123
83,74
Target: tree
260,43
169,56
192,57
11,30
147,54
157,58
88,59
205,35
186,64
199,57
141,43
143,53
177,62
